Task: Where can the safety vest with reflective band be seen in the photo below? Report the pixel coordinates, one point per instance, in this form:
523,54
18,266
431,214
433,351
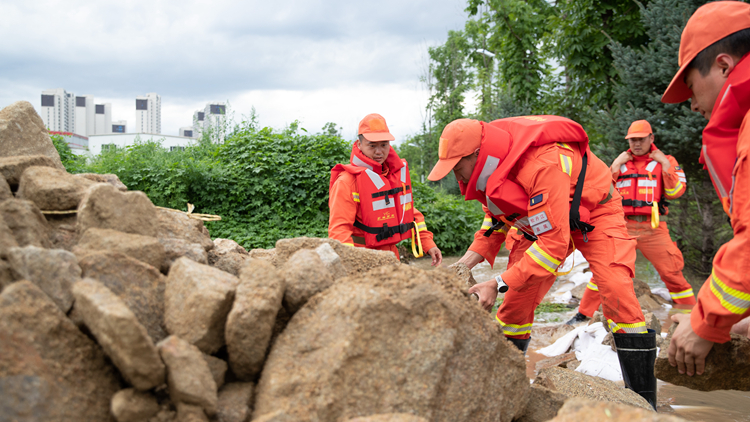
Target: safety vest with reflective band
719,151
640,190
385,201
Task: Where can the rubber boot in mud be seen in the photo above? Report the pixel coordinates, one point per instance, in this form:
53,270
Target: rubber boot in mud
637,354
522,344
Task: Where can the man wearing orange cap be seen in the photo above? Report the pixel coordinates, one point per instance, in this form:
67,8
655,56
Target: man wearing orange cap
371,199
536,173
715,75
646,178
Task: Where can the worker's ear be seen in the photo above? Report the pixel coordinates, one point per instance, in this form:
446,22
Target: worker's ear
476,152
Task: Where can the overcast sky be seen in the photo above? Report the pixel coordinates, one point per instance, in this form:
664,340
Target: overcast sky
315,61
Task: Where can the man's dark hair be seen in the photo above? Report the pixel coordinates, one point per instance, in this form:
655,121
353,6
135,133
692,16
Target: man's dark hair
361,137
737,45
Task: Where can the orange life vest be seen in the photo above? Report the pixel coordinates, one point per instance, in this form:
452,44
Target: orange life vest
641,190
385,202
503,143
719,151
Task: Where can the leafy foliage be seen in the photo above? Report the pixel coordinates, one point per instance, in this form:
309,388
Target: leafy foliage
71,162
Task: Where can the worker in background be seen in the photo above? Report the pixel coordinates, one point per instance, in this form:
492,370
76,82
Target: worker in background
536,173
371,199
714,75
646,179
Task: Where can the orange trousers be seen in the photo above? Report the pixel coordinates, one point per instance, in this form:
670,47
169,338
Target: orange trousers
610,252
656,245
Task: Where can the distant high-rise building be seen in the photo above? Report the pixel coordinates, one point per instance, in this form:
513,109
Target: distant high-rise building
120,126
148,113
198,118
58,110
188,132
214,119
85,123
103,118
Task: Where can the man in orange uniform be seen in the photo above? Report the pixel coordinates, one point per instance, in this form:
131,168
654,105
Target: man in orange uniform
371,198
715,75
646,178
525,171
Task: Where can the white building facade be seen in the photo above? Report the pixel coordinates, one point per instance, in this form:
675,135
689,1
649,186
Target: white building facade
58,110
99,143
188,132
103,118
148,113
214,120
85,123
120,126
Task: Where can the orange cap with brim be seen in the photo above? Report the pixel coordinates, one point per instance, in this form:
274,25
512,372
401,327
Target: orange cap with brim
639,129
374,129
710,23
459,138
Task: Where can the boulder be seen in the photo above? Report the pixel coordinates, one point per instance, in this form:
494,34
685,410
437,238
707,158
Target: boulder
332,261
5,192
648,303
22,132
542,406
305,276
139,285
251,321
397,339
576,384
226,246
559,360
119,333
11,168
586,410
389,417
26,222
146,249
264,254
548,334
197,301
642,288
52,270
188,375
727,366
234,402
190,413
229,262
579,290
112,179
62,234
131,405
105,207
6,275
7,239
52,189
166,413
275,416
218,369
174,224
49,370
177,248
356,260
463,273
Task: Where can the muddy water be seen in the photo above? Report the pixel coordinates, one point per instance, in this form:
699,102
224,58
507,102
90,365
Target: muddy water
679,401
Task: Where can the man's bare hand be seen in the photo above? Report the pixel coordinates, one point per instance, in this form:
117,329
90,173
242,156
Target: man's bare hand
487,293
437,256
471,259
659,157
742,328
621,159
688,351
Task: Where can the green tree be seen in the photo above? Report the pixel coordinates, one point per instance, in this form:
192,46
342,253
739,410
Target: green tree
72,162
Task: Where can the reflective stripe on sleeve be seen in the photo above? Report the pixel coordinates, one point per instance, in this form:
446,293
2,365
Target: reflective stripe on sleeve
592,286
564,145
733,300
487,223
672,192
349,244
637,328
682,295
355,196
421,226
513,329
542,258
566,163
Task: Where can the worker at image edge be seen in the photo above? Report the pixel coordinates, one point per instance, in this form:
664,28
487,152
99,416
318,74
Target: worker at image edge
525,172
371,200
646,178
714,75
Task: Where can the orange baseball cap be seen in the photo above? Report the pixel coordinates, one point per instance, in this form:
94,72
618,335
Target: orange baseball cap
710,23
459,138
639,129
374,129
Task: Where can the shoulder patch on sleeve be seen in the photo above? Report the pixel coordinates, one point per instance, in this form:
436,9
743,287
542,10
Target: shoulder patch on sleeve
537,199
677,168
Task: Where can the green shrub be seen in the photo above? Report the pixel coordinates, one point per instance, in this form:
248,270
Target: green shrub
71,162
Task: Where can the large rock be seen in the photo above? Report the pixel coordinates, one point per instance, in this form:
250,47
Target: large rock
177,248
131,405
234,402
226,246
389,417
264,254
146,249
62,233
275,416
251,321
26,222
53,270
188,375
11,168
52,189
5,192
7,240
112,179
22,132
197,301
332,261
230,262
464,274
105,207
587,410
305,277
49,370
559,360
727,366
190,413
542,406
396,340
120,334
356,260
139,285
218,369
576,384
175,224
6,275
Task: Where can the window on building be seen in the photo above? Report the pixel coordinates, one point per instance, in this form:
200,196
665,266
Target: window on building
201,116
141,104
109,147
189,133
100,109
80,101
176,148
218,109
118,128
48,100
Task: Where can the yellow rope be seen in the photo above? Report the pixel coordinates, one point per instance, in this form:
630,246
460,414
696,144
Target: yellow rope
191,207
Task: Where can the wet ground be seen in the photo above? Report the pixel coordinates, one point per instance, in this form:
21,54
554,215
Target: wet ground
680,401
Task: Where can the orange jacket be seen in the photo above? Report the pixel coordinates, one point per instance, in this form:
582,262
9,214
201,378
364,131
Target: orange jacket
344,210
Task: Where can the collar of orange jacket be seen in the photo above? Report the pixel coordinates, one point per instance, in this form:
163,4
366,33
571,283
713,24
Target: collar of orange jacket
391,162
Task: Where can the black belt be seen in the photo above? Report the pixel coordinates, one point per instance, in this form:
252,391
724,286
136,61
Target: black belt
390,192
632,176
636,203
386,231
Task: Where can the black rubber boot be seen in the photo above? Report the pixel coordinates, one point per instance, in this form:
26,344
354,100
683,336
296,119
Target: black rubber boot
522,344
637,354
578,317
